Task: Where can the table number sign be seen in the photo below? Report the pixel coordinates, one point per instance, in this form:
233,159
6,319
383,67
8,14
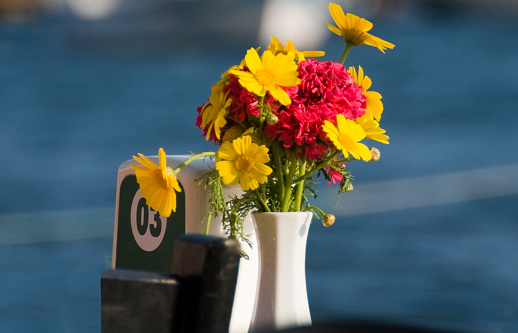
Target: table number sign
143,239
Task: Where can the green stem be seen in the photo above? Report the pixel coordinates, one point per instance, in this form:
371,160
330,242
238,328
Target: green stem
278,169
261,113
300,188
318,167
263,202
348,48
207,226
192,158
288,188
317,209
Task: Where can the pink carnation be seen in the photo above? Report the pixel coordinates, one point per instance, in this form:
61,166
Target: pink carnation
299,127
326,90
296,125
314,151
330,84
244,103
334,175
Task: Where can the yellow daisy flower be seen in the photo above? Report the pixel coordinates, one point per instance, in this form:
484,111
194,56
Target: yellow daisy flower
269,73
277,47
158,183
372,129
353,29
346,137
374,105
214,111
242,161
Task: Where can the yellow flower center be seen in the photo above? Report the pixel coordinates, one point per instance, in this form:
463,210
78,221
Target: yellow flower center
265,77
244,163
355,36
232,133
346,141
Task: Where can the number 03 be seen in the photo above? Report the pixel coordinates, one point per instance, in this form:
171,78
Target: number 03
148,233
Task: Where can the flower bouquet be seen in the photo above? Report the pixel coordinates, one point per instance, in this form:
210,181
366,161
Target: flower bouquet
281,119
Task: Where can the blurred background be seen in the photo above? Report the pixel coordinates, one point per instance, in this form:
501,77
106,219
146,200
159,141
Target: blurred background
430,233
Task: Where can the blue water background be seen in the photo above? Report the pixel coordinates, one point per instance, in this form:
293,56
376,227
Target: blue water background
72,109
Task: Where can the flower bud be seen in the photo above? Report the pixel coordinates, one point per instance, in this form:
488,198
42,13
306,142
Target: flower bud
346,185
328,220
375,153
272,119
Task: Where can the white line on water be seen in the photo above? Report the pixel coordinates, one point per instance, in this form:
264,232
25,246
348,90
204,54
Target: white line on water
56,226
452,187
376,197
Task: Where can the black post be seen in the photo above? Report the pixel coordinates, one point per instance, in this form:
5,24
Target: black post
207,267
196,297
137,301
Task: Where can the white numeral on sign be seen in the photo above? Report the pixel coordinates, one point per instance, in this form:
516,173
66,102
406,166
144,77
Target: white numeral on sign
147,225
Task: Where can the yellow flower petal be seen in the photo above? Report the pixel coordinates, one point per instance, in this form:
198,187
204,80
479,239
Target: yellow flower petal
227,170
158,183
253,61
353,29
161,159
374,107
338,15
276,47
145,161
372,129
214,112
242,161
270,72
346,136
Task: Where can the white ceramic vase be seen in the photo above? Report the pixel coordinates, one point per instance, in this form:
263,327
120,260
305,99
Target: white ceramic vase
281,297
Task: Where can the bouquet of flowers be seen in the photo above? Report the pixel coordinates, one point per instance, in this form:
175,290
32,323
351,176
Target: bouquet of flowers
281,119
